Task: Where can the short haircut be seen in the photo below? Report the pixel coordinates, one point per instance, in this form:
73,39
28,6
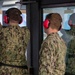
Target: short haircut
55,20
14,14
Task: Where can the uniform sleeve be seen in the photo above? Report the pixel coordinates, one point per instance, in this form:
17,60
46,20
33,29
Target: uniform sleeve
45,61
27,35
60,64
1,43
51,60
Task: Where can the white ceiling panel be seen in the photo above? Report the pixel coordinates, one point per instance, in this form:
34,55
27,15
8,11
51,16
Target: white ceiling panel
10,3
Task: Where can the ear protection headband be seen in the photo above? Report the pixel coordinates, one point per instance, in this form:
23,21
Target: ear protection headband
21,19
60,27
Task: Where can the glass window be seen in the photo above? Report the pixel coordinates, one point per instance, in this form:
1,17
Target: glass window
65,12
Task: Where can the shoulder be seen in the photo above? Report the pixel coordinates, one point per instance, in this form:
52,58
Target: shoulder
26,31
54,39
47,42
51,38
3,28
25,28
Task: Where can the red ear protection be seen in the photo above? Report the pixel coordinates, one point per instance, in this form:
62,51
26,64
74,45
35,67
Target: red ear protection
60,27
46,23
21,20
5,19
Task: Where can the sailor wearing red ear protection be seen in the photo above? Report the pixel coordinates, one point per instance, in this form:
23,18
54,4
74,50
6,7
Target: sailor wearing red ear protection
53,49
13,44
70,62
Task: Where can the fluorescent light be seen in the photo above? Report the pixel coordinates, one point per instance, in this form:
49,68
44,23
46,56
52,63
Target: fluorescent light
8,3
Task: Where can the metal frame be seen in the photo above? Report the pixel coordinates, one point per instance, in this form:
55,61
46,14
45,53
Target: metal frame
58,5
34,22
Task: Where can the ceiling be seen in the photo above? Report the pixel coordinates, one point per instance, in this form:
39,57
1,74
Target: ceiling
5,4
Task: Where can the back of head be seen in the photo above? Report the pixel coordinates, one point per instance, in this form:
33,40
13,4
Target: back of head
71,21
55,20
14,14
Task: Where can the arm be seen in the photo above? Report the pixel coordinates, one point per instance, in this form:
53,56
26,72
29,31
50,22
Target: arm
45,66
60,66
26,34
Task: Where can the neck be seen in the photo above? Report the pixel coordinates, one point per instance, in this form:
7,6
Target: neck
52,31
13,23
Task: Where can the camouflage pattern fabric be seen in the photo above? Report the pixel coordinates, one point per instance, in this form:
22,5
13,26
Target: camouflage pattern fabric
13,43
52,56
71,52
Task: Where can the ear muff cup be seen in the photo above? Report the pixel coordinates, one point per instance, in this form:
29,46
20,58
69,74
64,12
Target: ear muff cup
60,28
21,20
5,19
46,24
